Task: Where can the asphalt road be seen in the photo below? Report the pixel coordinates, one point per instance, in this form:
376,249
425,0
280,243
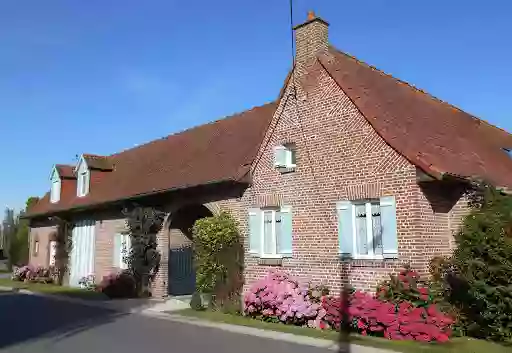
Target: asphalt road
35,325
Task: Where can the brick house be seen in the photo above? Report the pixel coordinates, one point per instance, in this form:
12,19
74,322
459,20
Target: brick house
350,173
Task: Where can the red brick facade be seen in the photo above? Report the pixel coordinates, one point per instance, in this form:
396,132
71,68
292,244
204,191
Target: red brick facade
340,156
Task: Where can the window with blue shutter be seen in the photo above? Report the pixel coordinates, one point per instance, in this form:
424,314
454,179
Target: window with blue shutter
255,230
346,232
388,227
270,232
284,232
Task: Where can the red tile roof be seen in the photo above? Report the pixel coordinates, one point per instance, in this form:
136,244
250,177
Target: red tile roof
98,162
214,152
437,137
65,171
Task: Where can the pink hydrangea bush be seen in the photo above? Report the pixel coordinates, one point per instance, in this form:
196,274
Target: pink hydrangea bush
22,273
279,297
31,273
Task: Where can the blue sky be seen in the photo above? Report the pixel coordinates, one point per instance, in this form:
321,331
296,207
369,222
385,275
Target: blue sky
101,76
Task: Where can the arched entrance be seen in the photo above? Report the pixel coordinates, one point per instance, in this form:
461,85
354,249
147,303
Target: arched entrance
182,276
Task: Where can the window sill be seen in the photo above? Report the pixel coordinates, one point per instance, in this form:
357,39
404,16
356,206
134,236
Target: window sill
367,258
270,261
285,168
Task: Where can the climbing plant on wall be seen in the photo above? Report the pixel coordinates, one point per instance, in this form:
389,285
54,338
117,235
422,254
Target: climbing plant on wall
143,259
64,239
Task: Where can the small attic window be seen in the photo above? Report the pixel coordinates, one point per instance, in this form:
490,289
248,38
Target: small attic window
508,151
55,191
285,156
83,177
83,183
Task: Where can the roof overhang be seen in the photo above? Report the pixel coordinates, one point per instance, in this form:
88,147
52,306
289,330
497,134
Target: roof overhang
245,181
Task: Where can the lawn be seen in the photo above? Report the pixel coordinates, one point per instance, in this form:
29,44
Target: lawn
53,289
457,345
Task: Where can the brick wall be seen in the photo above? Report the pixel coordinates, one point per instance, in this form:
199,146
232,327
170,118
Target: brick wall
43,234
107,225
340,157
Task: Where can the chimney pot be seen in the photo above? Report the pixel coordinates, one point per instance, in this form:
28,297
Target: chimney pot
311,15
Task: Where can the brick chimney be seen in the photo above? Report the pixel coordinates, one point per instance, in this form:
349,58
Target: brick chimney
311,37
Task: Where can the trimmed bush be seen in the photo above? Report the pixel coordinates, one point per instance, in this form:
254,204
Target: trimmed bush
218,257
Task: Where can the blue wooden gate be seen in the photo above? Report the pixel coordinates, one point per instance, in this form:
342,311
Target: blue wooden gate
182,275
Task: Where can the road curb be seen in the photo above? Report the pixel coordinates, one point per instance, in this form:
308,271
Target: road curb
269,334
113,305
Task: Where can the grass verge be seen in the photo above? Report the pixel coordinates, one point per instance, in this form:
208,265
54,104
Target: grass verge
54,289
457,345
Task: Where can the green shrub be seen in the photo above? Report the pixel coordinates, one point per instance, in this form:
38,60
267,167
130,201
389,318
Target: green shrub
218,257
406,287
480,283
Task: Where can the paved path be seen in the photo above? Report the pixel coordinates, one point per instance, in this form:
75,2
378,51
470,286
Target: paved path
32,324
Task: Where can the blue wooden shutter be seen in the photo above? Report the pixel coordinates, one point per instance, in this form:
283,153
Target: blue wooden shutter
255,224
279,156
285,241
116,258
345,228
388,222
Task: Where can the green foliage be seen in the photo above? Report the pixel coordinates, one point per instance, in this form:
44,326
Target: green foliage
406,287
64,238
218,258
481,281
18,235
144,259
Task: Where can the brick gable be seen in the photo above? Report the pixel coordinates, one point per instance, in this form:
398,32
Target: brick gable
340,157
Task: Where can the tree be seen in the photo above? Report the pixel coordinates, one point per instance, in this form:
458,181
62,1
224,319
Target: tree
9,232
18,234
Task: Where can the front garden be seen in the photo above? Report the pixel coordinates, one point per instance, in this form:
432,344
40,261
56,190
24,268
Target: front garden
464,305
42,280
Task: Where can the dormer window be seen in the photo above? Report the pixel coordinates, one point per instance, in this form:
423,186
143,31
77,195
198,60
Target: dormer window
55,191
82,178
83,183
55,187
90,163
508,151
285,156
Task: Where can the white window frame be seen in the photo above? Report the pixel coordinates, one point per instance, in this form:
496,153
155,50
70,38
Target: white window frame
369,231
274,254
36,247
290,150
83,181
